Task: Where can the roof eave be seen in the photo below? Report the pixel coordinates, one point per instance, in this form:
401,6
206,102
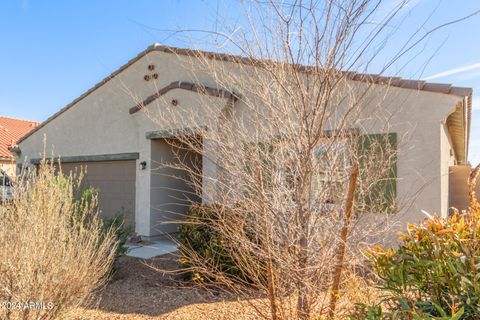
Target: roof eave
458,124
393,81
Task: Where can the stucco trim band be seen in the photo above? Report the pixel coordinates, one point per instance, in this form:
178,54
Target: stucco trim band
213,92
172,133
92,158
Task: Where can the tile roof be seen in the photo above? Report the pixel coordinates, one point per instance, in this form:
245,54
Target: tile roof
10,131
420,85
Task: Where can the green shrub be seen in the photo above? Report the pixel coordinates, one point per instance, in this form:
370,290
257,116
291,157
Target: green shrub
87,194
401,312
122,232
434,274
197,238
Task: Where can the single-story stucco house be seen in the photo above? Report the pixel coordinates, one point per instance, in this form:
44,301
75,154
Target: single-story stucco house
105,130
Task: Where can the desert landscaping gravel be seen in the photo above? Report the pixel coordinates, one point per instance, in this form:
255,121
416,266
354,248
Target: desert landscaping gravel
136,292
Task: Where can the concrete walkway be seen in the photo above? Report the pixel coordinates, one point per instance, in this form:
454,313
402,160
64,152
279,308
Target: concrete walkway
151,249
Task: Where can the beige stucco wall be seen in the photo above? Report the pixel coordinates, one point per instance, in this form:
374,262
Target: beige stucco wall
418,119
101,124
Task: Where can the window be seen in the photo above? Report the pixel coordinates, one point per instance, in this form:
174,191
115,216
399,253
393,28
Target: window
278,170
376,155
331,166
4,179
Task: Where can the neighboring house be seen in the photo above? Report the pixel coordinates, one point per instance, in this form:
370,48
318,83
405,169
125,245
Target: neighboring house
10,131
105,130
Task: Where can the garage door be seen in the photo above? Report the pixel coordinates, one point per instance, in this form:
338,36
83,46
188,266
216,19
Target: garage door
115,181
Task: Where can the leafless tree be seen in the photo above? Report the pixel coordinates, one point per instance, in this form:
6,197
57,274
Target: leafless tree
290,161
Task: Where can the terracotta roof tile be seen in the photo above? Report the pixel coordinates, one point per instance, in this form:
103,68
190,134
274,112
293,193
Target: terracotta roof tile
10,131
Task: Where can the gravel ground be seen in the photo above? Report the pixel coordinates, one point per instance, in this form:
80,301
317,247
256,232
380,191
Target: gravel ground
138,292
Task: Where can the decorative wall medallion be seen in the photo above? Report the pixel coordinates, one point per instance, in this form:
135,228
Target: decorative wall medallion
148,77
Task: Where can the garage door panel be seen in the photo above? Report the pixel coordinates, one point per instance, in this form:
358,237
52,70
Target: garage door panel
115,181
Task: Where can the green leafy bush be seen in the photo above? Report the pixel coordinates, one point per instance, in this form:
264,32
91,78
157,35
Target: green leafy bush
87,194
198,238
122,232
403,312
434,274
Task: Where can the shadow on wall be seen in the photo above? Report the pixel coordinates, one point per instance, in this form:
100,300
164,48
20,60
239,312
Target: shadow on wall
173,189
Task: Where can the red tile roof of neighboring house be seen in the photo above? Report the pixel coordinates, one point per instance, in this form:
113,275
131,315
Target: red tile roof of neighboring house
10,131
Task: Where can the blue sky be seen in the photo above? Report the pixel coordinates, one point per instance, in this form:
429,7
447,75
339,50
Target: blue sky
53,51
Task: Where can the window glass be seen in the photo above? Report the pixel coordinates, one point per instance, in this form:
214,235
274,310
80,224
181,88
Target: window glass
271,161
4,179
329,181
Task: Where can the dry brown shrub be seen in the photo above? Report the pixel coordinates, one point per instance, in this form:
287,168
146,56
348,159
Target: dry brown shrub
356,289
53,252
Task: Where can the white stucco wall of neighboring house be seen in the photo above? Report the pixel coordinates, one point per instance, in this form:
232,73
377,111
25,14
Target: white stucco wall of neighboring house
100,124
9,167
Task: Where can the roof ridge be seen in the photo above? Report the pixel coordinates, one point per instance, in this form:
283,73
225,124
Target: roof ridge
16,119
420,85
394,81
